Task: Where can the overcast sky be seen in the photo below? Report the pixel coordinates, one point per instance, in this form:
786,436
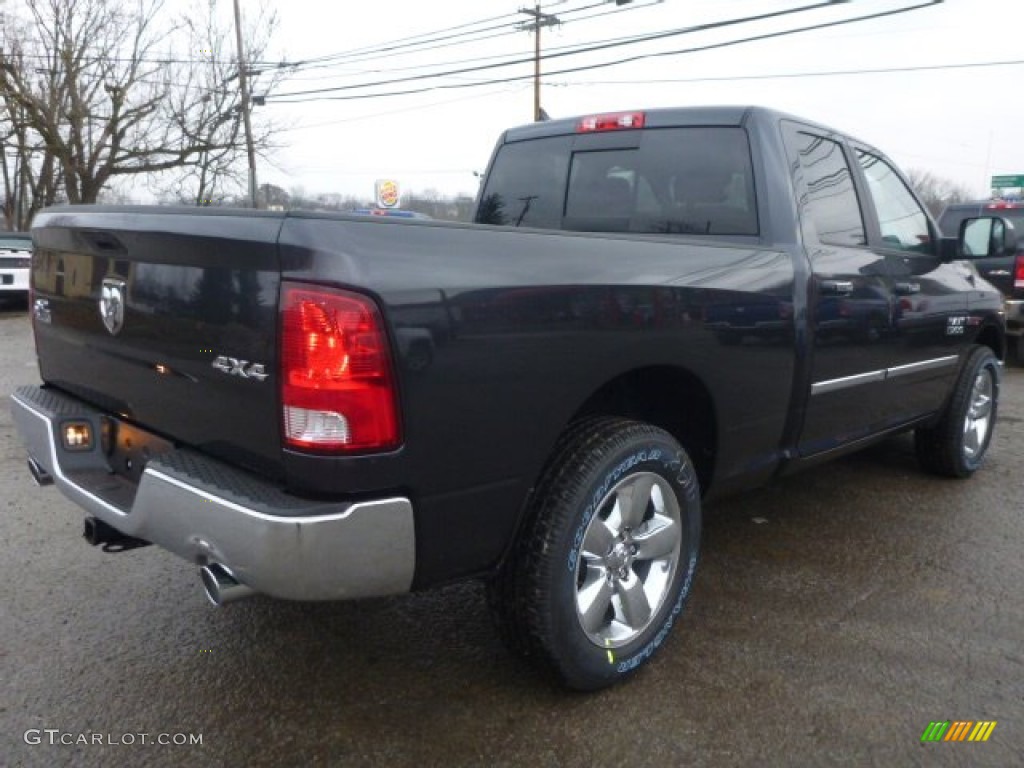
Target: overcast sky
959,121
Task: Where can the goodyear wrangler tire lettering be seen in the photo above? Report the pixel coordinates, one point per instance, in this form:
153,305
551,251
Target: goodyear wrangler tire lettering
606,560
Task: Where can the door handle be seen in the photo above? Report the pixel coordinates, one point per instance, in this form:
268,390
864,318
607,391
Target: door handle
905,289
836,287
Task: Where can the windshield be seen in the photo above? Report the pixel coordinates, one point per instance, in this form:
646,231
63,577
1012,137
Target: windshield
8,243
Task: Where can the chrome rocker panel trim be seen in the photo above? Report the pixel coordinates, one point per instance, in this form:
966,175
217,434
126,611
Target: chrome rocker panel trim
821,387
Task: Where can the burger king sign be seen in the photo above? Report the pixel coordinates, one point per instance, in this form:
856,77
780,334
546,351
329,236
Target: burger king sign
388,194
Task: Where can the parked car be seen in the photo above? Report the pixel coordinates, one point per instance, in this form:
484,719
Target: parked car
15,264
1005,268
394,213
644,318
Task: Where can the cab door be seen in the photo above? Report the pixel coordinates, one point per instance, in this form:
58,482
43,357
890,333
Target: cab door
849,302
929,297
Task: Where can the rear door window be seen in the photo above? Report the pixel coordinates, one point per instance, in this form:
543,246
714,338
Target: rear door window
829,203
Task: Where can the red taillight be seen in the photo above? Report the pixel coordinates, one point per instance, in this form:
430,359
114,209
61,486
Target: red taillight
618,121
337,386
1018,272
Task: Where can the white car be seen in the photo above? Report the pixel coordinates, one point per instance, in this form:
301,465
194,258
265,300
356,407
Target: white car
15,264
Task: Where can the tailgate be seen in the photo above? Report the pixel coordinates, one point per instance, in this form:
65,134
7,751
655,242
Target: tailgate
167,318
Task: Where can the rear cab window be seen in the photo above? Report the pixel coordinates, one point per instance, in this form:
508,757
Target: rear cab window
686,181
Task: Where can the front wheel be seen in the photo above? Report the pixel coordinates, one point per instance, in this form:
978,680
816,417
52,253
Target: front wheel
604,566
956,445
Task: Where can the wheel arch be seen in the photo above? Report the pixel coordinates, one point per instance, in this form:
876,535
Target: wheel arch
668,397
992,336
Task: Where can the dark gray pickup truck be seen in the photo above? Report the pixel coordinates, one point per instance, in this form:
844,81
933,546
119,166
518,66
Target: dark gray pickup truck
653,309
1002,266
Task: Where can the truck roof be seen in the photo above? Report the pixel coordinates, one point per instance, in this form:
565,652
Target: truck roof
671,117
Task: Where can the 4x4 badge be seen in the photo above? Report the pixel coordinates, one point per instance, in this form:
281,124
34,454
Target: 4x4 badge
235,367
112,298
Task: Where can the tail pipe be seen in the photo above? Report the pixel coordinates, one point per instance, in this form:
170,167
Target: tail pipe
221,586
40,475
96,532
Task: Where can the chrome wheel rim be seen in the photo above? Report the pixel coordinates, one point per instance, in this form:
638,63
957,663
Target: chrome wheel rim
628,559
978,421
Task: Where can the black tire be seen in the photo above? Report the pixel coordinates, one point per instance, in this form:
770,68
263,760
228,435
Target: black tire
650,548
956,445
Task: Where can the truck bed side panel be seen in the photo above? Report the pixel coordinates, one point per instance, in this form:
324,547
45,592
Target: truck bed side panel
504,334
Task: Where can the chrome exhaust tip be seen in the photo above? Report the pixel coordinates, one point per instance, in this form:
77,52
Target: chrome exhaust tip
221,586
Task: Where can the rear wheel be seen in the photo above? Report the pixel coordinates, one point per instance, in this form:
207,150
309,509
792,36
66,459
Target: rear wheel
956,445
606,561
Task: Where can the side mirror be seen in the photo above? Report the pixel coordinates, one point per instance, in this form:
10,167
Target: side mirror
986,237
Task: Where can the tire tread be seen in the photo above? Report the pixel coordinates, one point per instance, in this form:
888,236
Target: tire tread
938,447
519,596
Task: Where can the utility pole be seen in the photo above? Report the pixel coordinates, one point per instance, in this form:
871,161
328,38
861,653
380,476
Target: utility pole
243,80
539,20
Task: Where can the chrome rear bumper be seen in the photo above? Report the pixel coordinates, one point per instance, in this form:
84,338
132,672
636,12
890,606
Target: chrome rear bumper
209,512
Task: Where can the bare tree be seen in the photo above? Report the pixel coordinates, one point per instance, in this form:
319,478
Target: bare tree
28,168
91,83
208,107
937,192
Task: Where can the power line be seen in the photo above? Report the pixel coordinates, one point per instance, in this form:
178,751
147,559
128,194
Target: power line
388,45
587,49
417,108
781,75
393,52
541,20
475,59
727,78
401,47
395,44
171,58
283,98
388,49
785,75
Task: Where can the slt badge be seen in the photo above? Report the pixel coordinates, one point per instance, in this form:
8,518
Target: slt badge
112,300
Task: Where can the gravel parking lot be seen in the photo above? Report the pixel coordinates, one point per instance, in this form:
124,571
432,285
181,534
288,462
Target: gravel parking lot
836,614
